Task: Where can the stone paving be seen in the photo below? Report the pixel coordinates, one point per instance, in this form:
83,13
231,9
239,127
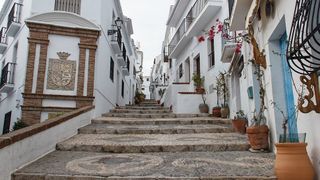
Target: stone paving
142,142
154,129
158,165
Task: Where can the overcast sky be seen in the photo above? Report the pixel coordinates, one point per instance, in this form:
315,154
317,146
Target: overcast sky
149,19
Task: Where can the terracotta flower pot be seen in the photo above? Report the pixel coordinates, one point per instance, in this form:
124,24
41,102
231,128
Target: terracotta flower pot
258,137
292,162
224,112
216,112
239,125
204,108
200,90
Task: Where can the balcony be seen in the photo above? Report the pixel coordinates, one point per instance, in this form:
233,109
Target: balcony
178,41
3,40
177,12
125,70
202,12
239,13
122,56
166,54
193,24
14,20
228,52
116,39
7,78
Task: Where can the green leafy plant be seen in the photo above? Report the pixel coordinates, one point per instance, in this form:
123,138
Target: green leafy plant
240,115
198,80
19,125
259,118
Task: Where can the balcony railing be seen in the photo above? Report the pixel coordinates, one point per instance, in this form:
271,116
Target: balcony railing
117,36
3,35
15,14
177,36
194,12
7,75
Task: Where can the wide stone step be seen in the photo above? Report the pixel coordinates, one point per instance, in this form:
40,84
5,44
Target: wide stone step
161,121
143,108
65,165
160,115
142,111
154,129
155,143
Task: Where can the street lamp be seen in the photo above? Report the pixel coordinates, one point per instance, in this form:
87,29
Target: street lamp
118,22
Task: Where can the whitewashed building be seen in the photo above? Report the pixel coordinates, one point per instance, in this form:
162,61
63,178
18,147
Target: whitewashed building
189,20
60,55
285,46
159,76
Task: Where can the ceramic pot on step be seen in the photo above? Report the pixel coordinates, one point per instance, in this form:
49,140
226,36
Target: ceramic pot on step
258,137
292,162
204,108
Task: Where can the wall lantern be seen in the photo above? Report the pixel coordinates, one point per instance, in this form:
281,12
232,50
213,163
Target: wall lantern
118,22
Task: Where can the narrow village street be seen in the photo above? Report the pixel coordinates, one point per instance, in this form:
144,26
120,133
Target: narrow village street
150,142
159,89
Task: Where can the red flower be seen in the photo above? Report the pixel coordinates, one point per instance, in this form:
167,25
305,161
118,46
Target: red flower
238,48
220,27
211,34
200,39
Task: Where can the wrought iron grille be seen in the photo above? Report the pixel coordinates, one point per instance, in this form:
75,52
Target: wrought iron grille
303,50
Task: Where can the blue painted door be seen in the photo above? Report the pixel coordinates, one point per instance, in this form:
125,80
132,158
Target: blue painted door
291,110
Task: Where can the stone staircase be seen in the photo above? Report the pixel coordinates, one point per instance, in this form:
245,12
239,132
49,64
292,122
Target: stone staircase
150,142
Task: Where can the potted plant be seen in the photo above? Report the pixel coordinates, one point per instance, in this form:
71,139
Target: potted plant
204,108
258,132
216,111
139,97
223,90
240,122
198,83
292,161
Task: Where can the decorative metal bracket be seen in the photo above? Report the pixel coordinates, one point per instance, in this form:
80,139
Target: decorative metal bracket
310,102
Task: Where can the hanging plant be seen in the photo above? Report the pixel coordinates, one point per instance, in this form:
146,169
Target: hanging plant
223,28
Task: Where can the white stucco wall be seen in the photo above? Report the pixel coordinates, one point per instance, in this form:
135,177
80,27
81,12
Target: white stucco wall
187,104
106,92
32,148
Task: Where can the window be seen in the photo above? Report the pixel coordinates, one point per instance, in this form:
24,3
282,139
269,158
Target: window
211,53
6,125
122,89
111,69
73,6
180,71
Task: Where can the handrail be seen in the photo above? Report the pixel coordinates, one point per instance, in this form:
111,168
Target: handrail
97,90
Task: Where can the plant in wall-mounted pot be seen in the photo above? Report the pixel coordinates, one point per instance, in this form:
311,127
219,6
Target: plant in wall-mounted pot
258,131
240,122
223,91
198,83
292,161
